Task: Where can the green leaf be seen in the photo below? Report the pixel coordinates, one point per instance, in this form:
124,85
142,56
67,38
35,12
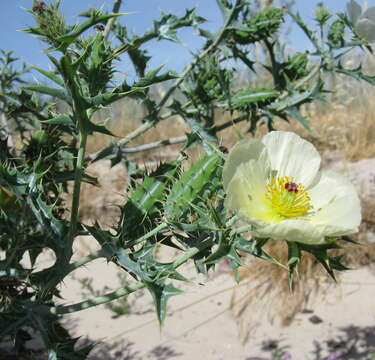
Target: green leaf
62,119
166,27
320,252
110,97
294,256
248,98
43,213
198,130
161,293
95,18
42,89
356,73
322,15
260,27
296,99
309,33
153,77
132,266
293,112
51,75
336,34
223,249
143,206
191,185
100,128
254,247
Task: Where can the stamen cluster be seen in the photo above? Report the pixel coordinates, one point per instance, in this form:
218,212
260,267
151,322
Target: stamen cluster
287,198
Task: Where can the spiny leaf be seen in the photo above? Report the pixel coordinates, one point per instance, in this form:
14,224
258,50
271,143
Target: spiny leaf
108,98
260,27
61,119
166,27
309,33
134,267
153,77
355,74
298,98
191,184
145,201
43,89
95,18
293,112
51,75
161,293
336,34
294,256
43,213
248,98
254,247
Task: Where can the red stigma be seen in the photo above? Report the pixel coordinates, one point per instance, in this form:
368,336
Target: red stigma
291,187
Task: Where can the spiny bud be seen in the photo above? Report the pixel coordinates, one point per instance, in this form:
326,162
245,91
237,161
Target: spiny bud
322,15
39,6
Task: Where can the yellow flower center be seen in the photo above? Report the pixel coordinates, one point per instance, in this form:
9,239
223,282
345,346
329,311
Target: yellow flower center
287,198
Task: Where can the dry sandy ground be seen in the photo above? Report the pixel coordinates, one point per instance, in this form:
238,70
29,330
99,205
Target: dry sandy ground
202,326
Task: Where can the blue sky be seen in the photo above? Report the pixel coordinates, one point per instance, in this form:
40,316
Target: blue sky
13,17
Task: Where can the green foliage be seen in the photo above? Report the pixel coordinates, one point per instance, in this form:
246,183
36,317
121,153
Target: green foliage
260,27
336,33
142,210
178,204
119,307
247,99
322,15
191,186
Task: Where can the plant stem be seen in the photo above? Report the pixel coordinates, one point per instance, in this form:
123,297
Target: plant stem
162,143
108,27
99,300
85,260
77,187
178,139
149,124
148,235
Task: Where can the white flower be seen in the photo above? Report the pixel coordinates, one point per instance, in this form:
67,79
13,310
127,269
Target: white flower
275,185
364,24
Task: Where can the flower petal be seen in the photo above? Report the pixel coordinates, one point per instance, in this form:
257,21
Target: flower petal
243,151
354,11
335,205
366,29
292,156
246,191
292,230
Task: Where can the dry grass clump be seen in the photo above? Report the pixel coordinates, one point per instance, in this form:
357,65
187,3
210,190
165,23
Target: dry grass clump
269,289
350,130
368,212
268,296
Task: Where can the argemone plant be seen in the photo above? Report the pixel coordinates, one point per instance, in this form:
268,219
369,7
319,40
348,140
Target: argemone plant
275,185
180,204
